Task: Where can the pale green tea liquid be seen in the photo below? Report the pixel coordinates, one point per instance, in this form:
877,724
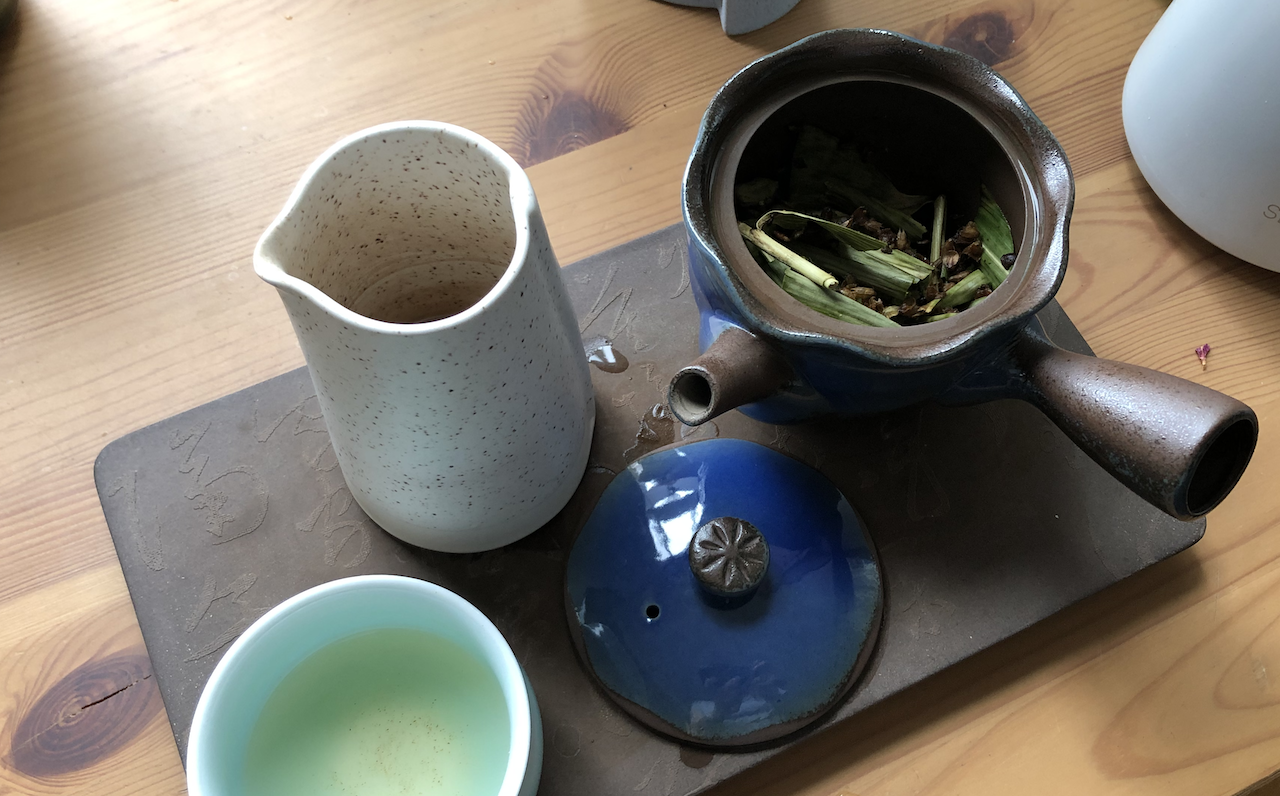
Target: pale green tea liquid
383,712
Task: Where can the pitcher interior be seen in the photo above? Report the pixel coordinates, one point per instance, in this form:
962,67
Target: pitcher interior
404,227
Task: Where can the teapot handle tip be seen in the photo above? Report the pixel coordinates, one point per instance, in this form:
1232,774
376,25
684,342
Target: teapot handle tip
1177,444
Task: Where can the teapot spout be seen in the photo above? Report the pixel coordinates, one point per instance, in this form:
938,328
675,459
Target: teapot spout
737,369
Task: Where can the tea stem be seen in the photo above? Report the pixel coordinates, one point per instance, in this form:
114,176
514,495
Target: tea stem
789,258
939,228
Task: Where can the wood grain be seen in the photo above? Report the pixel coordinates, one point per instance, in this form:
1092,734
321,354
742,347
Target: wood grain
145,144
79,706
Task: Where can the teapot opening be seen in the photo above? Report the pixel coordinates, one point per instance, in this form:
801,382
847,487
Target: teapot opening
691,397
1220,466
925,143
407,226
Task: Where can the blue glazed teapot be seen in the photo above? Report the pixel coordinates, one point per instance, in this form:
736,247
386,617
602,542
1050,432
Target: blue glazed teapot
949,123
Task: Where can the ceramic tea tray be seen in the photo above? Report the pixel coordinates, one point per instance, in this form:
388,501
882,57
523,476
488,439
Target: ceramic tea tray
222,512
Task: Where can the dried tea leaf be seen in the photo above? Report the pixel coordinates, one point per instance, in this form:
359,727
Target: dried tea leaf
790,219
810,164
931,290
869,271
899,219
950,257
859,293
831,303
963,291
756,192
997,238
860,243
850,221
819,156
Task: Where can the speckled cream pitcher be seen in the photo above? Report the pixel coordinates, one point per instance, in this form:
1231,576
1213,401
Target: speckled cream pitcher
414,263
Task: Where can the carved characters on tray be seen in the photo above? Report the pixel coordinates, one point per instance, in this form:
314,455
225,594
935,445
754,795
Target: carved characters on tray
336,519
229,501
242,612
146,535
341,527
233,502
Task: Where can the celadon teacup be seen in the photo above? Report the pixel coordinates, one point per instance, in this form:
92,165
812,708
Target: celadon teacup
230,715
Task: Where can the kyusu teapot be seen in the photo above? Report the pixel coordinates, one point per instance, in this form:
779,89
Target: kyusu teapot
945,123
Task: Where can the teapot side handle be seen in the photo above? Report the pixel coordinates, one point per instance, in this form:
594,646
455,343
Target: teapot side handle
1179,445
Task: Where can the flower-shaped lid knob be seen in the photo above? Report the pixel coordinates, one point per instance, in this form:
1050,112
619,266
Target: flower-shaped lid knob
729,557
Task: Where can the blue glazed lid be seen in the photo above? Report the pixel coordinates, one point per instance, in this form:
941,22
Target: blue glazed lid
744,652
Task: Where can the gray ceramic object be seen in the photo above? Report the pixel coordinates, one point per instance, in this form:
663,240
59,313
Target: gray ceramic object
938,121
743,16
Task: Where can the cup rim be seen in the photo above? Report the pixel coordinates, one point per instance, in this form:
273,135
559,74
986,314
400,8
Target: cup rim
524,204
517,692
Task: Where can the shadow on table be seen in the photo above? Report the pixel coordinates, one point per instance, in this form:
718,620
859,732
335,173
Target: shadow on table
940,702
10,30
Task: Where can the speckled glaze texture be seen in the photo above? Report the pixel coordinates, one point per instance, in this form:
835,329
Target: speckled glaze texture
415,266
706,670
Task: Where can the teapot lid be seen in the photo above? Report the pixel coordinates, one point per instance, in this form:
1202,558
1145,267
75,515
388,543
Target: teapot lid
723,593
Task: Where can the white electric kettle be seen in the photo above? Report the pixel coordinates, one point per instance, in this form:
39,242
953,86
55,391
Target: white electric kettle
1202,115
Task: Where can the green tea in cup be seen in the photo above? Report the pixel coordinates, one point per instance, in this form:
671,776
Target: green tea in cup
403,712
370,685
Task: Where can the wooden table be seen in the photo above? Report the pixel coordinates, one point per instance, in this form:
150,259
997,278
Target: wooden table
145,144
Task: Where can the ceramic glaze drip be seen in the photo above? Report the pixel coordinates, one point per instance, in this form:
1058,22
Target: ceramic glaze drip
604,356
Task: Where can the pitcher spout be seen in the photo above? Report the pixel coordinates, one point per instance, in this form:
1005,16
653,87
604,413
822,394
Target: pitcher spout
737,369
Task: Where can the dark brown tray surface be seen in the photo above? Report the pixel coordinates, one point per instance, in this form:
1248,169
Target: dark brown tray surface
222,512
